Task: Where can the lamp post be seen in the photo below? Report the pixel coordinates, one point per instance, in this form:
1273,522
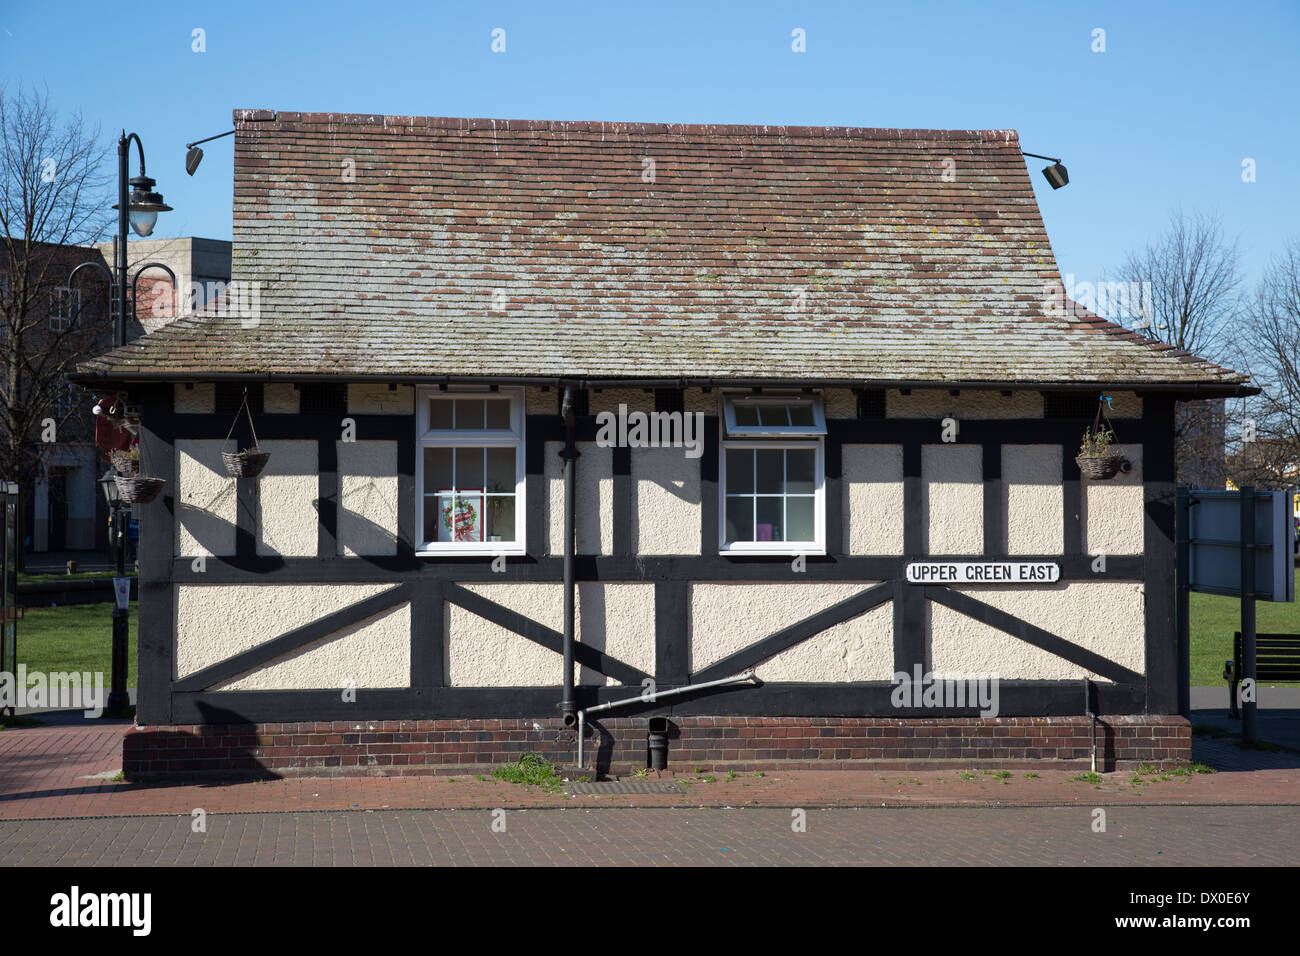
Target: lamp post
118,698
139,210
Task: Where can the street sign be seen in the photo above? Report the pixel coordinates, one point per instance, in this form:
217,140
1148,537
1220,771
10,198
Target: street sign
983,572
1214,532
122,591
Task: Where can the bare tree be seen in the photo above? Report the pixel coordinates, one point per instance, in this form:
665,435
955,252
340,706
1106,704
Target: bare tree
1190,288
54,202
1267,449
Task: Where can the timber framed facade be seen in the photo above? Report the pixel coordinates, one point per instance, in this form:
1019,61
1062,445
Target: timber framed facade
297,621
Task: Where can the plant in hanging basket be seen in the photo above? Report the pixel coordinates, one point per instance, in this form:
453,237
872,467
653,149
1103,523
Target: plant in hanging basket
126,461
137,490
245,464
1098,458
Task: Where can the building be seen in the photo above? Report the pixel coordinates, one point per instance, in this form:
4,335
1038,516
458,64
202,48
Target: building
51,321
201,267
889,391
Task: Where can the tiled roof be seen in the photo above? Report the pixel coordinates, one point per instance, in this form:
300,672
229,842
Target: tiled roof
423,247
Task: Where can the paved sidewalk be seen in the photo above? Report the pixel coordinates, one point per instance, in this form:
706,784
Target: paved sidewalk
1134,836
45,772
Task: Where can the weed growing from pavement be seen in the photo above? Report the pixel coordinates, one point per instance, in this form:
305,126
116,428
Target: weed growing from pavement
1031,776
1088,777
531,770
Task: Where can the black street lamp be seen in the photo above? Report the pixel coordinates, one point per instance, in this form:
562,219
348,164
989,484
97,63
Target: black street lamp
139,209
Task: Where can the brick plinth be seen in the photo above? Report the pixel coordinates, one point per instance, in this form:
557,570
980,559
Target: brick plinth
618,746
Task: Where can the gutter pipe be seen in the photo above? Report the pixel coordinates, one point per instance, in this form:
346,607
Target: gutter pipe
649,699
568,707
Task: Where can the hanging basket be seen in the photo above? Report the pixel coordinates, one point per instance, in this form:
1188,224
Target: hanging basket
126,465
1099,467
137,490
249,462
245,464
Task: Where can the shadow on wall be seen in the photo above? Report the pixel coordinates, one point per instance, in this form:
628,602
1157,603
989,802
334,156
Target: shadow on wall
208,511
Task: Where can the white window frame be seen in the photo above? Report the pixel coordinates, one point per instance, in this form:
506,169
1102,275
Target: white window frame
816,430
773,437
61,319
513,437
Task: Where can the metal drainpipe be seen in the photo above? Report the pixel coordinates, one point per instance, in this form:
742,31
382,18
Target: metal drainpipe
568,707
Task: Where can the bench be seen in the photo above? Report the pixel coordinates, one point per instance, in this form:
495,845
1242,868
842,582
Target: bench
1277,658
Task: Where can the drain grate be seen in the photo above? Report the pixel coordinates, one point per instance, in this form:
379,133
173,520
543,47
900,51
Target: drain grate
627,786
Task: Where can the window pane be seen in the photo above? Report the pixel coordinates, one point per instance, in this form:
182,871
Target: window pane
469,413
746,414
773,415
740,471
432,520
770,524
799,514
498,413
800,465
437,469
771,471
439,413
501,517
740,519
469,468
500,469
801,414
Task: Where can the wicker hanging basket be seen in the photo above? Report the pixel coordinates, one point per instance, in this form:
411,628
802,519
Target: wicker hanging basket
126,465
249,462
137,490
1099,467
1105,463
245,464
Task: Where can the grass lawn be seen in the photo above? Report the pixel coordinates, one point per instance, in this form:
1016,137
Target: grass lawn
79,576
73,637
1215,619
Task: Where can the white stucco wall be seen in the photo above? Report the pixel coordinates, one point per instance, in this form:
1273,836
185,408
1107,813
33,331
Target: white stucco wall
616,617
199,400
280,398
729,616
1114,511
1105,617
873,498
1033,499
205,500
952,498
666,501
216,622
971,404
839,403
286,520
594,495
371,399
367,511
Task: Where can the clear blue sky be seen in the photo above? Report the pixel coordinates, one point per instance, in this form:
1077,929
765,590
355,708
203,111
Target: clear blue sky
1163,118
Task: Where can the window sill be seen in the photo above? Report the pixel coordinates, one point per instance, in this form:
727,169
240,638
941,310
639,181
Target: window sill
790,550
482,551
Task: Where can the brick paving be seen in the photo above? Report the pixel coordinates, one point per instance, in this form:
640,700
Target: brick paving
1054,836
44,771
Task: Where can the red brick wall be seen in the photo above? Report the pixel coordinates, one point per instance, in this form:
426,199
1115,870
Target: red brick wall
618,746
